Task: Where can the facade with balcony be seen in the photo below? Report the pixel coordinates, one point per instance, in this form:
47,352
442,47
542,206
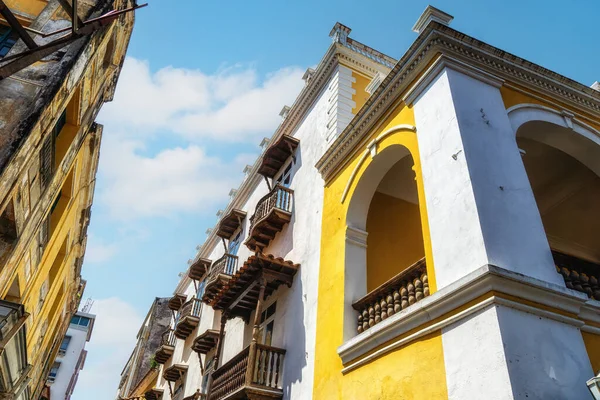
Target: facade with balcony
403,235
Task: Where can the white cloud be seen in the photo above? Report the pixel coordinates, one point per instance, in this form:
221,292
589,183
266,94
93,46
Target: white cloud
97,251
176,180
230,105
113,340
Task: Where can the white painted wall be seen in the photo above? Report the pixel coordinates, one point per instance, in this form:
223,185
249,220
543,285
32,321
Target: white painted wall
480,205
502,353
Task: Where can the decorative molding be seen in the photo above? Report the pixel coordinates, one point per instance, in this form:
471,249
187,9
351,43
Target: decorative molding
439,65
372,151
356,236
374,84
436,39
487,280
431,14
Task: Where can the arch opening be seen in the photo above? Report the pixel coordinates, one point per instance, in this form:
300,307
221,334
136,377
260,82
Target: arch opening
384,237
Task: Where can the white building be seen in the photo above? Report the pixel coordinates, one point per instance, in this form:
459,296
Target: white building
71,356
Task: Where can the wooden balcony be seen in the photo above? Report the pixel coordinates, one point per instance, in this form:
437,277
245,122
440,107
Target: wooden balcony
176,302
219,275
167,347
580,275
196,396
255,373
230,223
174,372
273,211
154,394
240,294
205,342
400,292
199,268
277,154
189,316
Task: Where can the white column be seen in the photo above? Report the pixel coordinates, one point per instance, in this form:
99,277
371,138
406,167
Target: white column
480,205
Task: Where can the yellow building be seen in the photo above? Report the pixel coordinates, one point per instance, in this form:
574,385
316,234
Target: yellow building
460,256
48,162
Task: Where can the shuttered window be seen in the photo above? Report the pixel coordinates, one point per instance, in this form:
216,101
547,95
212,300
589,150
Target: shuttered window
47,161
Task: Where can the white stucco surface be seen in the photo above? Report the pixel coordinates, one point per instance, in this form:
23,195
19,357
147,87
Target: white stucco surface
480,205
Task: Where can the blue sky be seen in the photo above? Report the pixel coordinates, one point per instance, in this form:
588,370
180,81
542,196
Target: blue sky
203,84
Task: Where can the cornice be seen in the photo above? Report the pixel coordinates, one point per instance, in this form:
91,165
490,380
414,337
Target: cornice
439,39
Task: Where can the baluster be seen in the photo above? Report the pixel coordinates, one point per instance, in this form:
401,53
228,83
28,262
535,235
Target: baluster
595,287
418,289
425,281
390,304
404,297
585,284
397,303
383,305
278,369
359,329
411,293
575,279
371,316
271,365
365,316
567,277
377,312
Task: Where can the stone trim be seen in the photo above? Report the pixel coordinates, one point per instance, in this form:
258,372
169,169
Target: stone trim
485,280
436,39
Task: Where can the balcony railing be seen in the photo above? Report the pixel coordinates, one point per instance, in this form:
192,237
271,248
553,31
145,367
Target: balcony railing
257,369
578,274
167,346
189,317
272,212
219,273
400,292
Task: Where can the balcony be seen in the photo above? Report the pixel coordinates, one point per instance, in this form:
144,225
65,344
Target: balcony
174,372
273,211
198,269
230,223
580,275
167,347
400,292
218,276
196,396
240,295
277,154
206,342
176,302
254,373
13,349
154,394
189,316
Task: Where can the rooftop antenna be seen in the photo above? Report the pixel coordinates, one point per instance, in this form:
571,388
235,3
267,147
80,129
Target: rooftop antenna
88,305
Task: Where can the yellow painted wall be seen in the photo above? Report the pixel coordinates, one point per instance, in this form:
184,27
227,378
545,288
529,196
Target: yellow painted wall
360,96
26,8
415,371
395,239
592,345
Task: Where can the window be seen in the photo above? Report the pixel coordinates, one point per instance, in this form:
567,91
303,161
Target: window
179,386
53,372
284,178
207,371
64,345
80,320
267,324
43,293
200,291
234,244
60,124
8,38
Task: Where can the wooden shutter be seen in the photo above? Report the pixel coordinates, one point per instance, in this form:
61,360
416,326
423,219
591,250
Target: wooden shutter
47,161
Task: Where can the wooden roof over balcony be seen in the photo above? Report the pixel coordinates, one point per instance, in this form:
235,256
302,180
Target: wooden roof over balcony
206,342
199,268
240,294
176,301
277,154
154,394
230,223
174,372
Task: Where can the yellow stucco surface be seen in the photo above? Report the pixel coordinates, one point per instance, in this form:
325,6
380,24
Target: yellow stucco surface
592,345
415,371
360,96
28,8
395,240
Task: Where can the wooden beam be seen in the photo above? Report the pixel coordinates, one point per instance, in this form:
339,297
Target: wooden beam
9,335
14,23
77,22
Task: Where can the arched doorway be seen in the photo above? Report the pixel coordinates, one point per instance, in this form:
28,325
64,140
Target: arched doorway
385,248
562,161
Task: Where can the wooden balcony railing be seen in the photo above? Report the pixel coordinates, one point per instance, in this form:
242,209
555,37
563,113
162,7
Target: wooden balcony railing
188,318
580,275
166,348
400,292
272,212
257,370
219,273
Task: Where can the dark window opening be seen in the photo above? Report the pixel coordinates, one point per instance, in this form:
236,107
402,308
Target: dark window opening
8,38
